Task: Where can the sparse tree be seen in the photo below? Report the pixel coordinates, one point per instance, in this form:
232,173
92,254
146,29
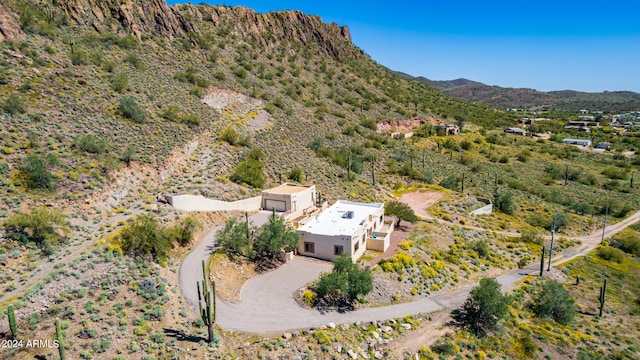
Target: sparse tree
344,284
250,170
295,174
233,238
554,301
484,307
401,211
144,237
504,203
37,172
275,236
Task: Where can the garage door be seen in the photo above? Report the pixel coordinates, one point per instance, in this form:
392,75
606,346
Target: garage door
278,205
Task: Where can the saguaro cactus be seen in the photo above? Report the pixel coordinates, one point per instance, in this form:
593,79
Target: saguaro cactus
542,260
12,322
60,338
208,311
603,291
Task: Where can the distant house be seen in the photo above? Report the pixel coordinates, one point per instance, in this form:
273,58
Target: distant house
516,131
345,227
603,145
448,129
290,198
579,142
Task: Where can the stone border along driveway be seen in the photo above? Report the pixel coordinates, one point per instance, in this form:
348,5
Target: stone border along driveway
267,306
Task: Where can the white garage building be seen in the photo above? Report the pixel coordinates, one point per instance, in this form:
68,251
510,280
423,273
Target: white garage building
289,198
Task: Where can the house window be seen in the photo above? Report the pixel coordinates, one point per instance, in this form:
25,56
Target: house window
338,250
356,247
309,247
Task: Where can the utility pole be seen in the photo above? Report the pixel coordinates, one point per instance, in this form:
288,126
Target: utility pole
553,231
604,226
246,221
566,174
462,190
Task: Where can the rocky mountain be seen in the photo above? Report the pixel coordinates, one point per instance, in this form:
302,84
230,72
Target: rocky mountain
501,97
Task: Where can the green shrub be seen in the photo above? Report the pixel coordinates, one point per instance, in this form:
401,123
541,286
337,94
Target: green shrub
37,172
554,301
546,221
484,307
14,105
627,243
450,182
295,174
131,110
230,135
504,203
610,254
145,237
250,170
445,347
78,55
615,173
582,208
369,124
173,114
134,60
344,284
90,143
44,227
531,235
120,81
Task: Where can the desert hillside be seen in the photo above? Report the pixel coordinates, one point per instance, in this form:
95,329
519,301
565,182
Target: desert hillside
108,106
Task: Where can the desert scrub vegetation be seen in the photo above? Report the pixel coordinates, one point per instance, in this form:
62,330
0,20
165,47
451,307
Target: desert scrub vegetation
146,238
130,109
262,245
344,285
43,227
250,170
549,317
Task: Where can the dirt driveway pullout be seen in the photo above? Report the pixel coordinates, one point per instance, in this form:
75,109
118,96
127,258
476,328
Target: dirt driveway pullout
419,201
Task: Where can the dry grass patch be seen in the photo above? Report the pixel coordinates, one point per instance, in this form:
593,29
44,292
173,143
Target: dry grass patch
230,276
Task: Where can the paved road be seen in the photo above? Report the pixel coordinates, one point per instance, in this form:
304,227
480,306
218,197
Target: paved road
266,304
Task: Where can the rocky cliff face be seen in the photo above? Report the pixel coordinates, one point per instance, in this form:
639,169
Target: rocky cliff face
9,28
154,17
282,25
130,16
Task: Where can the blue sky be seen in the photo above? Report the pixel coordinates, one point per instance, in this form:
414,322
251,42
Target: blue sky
545,45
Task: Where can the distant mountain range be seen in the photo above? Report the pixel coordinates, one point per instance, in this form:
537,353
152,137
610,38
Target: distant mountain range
500,97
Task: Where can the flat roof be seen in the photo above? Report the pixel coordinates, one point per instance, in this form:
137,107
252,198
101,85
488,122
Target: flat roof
287,189
335,220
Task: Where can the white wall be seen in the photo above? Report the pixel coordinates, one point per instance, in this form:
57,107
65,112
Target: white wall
201,203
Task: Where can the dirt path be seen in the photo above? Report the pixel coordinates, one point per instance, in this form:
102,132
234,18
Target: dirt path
419,201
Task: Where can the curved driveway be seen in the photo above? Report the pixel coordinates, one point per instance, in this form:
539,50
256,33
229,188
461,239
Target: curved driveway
267,306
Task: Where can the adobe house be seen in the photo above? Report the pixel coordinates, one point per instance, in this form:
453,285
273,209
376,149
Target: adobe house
289,198
345,227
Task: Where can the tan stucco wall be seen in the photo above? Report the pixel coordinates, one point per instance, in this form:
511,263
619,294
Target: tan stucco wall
324,245
303,199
